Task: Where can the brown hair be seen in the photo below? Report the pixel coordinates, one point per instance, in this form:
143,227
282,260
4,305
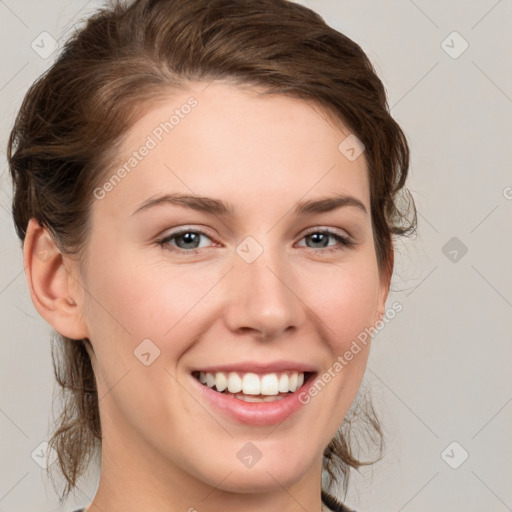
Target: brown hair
128,55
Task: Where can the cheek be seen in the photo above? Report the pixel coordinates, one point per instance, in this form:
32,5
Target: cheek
345,299
132,300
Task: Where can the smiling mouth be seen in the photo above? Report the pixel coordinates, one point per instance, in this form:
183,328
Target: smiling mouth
253,387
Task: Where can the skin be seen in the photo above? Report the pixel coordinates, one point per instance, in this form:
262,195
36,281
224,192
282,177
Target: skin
164,448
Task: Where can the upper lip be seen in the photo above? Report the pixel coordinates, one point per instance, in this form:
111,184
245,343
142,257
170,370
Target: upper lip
259,367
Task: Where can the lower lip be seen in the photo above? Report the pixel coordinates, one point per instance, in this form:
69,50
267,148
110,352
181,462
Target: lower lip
255,413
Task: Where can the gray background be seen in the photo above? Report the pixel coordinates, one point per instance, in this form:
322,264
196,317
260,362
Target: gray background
438,371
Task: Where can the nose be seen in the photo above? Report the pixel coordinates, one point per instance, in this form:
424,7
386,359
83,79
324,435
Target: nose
263,297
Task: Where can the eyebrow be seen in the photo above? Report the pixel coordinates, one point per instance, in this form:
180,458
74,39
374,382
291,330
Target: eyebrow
218,207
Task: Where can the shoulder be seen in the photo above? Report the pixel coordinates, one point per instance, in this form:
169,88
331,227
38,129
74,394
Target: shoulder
340,507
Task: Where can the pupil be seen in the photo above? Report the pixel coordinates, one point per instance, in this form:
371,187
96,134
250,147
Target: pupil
189,238
315,237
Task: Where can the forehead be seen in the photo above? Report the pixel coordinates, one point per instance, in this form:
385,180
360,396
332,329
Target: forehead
222,140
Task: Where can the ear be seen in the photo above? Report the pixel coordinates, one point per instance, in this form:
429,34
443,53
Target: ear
384,285
53,282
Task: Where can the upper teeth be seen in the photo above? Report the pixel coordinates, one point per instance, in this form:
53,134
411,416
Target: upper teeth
252,383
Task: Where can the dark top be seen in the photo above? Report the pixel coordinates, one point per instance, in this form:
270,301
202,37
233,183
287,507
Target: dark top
334,504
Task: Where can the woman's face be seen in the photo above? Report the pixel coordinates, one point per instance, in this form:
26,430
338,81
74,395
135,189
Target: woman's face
236,275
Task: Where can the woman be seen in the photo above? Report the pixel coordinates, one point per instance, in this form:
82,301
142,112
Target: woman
207,192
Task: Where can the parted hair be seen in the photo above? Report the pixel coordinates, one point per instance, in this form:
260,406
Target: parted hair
126,56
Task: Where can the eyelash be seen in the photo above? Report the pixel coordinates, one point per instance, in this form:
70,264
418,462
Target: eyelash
345,242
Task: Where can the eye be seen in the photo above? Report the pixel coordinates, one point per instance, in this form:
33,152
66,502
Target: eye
189,241
320,240
186,240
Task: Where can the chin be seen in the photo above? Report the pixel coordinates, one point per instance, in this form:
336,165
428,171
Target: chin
262,477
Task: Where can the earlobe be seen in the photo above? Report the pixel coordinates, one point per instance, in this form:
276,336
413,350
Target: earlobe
49,283
382,297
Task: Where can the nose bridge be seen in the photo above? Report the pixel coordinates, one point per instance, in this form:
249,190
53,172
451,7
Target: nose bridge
262,297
